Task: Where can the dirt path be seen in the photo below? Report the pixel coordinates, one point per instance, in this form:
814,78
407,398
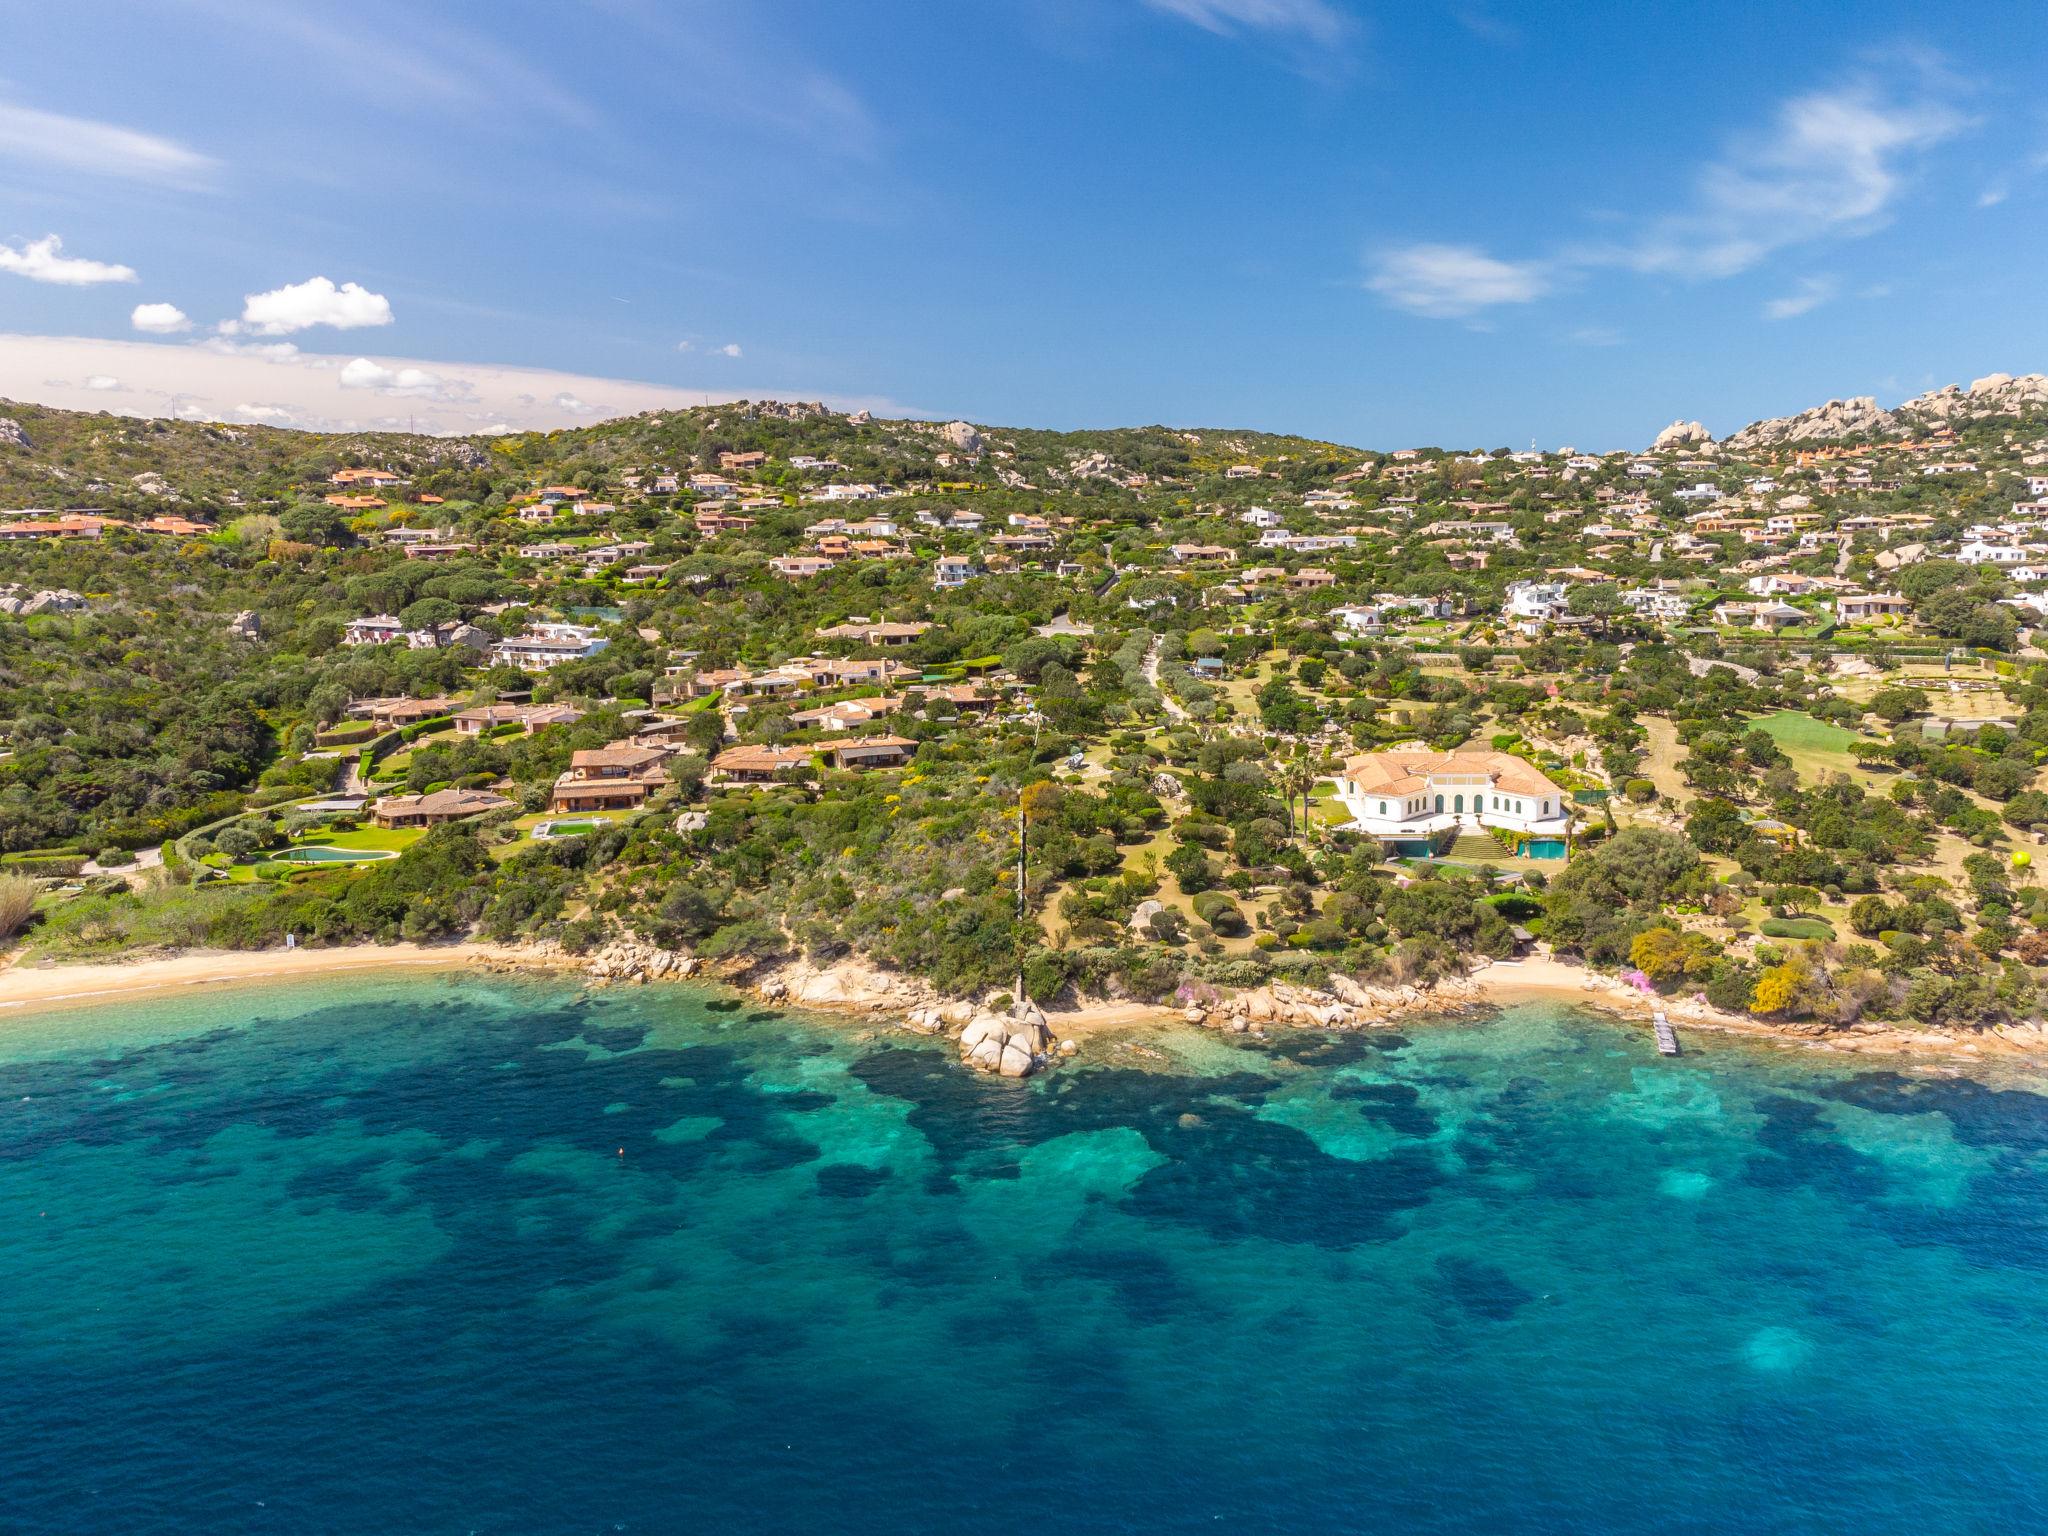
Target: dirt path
1660,761
1150,668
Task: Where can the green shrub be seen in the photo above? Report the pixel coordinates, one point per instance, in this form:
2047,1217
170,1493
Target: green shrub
1796,928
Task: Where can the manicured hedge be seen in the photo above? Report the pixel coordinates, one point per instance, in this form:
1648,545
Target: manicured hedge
55,865
1796,928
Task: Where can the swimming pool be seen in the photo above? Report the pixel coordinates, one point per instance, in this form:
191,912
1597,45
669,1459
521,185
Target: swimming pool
322,855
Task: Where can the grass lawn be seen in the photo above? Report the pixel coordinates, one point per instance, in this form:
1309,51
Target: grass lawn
1325,807
583,820
1815,747
383,839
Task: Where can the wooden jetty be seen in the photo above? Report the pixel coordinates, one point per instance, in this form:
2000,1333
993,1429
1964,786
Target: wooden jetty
1667,1037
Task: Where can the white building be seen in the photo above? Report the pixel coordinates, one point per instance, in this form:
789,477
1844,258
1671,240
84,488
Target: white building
1413,796
1977,552
1534,600
1654,603
547,645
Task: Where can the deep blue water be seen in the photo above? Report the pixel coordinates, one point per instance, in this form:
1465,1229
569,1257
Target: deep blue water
446,1255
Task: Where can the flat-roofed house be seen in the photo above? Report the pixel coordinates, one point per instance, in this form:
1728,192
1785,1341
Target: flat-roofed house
544,647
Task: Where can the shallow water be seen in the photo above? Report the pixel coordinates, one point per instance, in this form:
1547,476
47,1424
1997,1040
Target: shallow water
452,1254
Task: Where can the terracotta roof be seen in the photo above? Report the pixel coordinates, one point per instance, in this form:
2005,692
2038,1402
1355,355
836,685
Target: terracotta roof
442,802
617,755
1406,771
760,759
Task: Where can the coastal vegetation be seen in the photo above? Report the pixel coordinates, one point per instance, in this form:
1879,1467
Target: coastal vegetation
1075,708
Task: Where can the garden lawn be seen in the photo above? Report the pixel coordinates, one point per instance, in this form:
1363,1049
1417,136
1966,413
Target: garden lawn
381,839
1814,747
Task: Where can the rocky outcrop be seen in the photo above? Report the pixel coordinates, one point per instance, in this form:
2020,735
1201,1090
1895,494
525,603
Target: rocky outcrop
622,960
1996,394
847,985
1682,434
1346,1004
13,434
962,435
1015,1044
1823,423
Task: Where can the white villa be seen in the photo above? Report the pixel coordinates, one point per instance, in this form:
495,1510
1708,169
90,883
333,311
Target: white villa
1412,796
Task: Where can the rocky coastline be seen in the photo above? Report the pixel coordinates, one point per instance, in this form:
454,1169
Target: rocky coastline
1004,1037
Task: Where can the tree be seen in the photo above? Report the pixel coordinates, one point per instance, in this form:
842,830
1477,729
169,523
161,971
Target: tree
1871,915
1716,826
1667,954
1783,990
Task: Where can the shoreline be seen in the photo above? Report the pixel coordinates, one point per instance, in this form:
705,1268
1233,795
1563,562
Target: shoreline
36,986
856,990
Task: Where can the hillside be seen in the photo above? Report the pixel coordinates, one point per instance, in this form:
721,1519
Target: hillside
64,458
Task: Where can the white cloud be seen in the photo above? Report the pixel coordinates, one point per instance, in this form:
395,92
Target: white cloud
1993,195
403,381
573,404
1314,20
269,351
1832,165
41,261
1450,282
97,149
159,319
266,415
1811,293
1596,336
316,301
683,346
730,349
102,381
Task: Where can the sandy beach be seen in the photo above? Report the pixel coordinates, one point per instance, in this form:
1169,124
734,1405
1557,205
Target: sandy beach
34,985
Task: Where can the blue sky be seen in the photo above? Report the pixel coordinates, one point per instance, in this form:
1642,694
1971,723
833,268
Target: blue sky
1386,224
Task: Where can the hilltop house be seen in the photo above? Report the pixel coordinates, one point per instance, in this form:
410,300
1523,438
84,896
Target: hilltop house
1411,797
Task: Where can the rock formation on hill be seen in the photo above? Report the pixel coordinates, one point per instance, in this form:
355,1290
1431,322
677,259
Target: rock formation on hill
1682,434
1997,394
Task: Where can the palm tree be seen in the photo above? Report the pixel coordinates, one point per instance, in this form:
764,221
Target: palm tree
1296,778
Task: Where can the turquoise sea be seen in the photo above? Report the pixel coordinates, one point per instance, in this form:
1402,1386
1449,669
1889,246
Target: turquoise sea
462,1255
